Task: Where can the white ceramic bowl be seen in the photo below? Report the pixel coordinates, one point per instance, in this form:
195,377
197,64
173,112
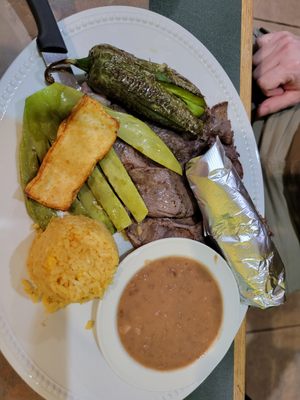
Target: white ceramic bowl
112,349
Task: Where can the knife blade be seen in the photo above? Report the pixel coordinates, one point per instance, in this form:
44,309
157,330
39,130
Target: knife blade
50,42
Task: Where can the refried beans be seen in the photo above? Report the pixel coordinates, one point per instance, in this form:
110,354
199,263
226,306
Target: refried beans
169,313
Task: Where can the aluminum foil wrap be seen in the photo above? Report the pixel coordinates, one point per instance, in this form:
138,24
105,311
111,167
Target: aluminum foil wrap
232,220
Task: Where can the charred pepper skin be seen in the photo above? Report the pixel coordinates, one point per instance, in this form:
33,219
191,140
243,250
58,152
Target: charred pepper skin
143,87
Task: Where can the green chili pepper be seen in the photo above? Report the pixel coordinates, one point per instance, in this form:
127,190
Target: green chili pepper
43,113
119,179
139,85
140,136
93,208
29,165
106,197
78,209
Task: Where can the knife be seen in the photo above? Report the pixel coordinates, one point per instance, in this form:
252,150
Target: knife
50,42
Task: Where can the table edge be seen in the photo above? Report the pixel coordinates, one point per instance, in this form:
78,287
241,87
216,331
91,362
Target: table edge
245,94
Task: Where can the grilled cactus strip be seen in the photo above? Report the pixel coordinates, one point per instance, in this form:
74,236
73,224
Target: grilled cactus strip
93,208
43,112
46,109
132,130
29,165
140,136
137,84
78,209
109,201
119,179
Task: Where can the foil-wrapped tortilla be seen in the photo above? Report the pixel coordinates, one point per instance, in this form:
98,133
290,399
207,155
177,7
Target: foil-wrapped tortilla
232,220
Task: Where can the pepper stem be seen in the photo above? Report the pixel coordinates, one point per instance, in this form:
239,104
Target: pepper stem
62,65
83,63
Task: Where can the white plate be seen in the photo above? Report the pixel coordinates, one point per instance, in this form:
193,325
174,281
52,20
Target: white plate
112,349
54,354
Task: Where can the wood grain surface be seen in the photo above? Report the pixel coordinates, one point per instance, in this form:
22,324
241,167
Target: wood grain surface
246,54
245,94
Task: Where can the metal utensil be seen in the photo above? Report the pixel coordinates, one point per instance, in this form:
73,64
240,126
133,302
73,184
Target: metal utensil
49,40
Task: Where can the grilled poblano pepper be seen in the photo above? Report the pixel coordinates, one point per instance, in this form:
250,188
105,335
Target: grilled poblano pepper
152,90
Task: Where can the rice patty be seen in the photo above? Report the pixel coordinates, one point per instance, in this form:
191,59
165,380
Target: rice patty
72,261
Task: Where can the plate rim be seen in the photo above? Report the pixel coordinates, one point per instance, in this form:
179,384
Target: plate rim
167,247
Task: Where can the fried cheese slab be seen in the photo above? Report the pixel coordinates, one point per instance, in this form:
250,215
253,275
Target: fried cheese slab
82,140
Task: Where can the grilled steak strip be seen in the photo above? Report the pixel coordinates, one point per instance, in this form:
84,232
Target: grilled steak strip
172,212
157,228
165,193
182,146
219,123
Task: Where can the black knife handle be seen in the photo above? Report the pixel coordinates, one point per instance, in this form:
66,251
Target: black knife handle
49,38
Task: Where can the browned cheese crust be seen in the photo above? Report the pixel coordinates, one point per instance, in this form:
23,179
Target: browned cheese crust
82,140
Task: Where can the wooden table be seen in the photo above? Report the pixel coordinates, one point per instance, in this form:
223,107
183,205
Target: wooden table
17,29
245,94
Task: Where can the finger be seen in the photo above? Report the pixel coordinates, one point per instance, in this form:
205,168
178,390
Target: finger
275,92
273,79
264,67
264,52
271,38
268,45
277,103
269,61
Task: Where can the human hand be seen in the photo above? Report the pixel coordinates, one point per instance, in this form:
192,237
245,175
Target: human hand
277,71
